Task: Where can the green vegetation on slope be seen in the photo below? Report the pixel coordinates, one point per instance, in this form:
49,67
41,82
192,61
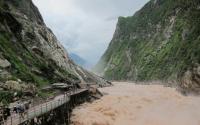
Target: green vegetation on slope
29,67
162,40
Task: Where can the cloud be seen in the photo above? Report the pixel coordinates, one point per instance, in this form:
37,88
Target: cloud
85,27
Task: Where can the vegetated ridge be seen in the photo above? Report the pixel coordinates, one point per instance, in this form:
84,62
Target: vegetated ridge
159,42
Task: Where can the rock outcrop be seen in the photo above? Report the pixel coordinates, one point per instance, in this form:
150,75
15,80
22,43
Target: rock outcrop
160,42
190,80
29,50
4,63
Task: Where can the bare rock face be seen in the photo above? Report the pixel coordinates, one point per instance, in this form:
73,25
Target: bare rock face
32,50
4,63
12,85
190,80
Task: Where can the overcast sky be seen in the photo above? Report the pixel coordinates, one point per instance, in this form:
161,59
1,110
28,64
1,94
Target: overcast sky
85,27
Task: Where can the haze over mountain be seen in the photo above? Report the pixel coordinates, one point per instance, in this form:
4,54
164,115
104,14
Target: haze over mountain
80,61
85,27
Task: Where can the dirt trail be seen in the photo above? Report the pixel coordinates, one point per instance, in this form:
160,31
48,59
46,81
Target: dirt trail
129,104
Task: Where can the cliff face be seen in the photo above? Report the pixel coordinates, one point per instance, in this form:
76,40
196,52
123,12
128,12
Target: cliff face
160,42
30,52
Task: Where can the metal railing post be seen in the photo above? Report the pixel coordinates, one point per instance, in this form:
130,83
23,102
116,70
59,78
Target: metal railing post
11,119
68,117
64,97
41,109
51,105
19,118
34,110
27,114
46,106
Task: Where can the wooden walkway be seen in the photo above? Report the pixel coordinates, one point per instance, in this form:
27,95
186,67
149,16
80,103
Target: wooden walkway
41,109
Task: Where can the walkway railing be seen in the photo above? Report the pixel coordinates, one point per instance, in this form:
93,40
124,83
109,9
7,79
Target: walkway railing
36,111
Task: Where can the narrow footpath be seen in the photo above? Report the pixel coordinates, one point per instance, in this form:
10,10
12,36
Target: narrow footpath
39,110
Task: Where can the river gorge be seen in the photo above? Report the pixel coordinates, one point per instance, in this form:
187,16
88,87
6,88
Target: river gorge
131,104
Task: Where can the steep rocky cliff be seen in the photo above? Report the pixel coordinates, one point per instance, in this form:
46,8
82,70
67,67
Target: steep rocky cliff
30,54
160,42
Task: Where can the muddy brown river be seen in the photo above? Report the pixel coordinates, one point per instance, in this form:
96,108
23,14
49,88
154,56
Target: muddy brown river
130,104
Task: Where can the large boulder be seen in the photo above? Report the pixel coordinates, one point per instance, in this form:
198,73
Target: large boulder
5,75
4,63
12,85
19,86
61,86
190,80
